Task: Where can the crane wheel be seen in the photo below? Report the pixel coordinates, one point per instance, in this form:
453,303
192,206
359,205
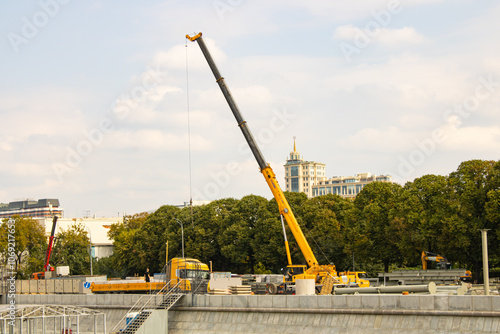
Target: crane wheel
272,289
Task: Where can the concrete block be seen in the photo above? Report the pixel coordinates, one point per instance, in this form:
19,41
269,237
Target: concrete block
495,325
324,302
479,324
50,286
421,322
30,299
279,301
353,301
25,286
339,301
253,301
426,302
407,321
472,324
215,301
59,287
370,301
240,301
441,302
309,302
410,302
495,304
194,300
63,299
33,286
117,299
51,299
67,286
265,301
455,325
459,303
482,303
488,322
292,301
42,286
18,284
389,302
227,301
445,323
464,324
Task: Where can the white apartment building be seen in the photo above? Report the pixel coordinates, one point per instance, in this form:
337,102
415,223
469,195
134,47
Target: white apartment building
309,177
347,186
301,175
97,229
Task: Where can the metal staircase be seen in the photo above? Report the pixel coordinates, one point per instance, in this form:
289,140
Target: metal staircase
164,299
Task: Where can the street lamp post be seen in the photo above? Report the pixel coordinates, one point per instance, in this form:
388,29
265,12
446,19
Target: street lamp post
486,275
182,233
90,250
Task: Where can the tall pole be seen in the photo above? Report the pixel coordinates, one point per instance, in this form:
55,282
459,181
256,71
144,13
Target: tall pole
90,252
486,276
182,233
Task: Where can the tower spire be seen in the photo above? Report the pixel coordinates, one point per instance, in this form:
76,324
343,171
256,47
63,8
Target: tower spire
294,148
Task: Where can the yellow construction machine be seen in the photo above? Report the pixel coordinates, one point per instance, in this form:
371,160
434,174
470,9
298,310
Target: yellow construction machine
313,270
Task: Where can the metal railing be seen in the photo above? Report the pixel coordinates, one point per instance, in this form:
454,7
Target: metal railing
142,309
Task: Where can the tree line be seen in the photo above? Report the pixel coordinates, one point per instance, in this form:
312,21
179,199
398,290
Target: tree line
386,226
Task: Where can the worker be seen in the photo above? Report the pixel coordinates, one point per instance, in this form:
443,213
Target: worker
146,276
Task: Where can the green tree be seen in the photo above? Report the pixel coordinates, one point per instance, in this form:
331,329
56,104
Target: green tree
472,182
72,249
124,237
374,218
428,219
30,243
322,229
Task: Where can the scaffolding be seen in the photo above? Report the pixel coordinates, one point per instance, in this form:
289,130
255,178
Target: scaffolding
50,319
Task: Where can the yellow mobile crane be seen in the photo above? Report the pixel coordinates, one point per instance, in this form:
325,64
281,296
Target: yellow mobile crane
314,270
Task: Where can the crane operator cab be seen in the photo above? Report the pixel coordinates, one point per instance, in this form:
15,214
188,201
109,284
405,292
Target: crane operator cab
292,271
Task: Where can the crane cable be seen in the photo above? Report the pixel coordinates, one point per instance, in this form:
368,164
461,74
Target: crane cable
189,135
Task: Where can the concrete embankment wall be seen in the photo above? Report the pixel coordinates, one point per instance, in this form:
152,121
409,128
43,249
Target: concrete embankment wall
370,314
360,314
115,306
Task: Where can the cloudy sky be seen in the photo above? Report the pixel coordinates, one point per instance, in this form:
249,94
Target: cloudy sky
96,100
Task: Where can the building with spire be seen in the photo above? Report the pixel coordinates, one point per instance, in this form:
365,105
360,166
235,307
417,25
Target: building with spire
309,177
301,175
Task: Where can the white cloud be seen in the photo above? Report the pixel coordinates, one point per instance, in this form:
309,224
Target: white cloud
398,36
379,139
384,36
473,138
175,57
150,139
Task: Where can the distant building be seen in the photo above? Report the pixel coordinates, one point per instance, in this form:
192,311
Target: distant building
37,209
301,175
97,229
309,177
347,186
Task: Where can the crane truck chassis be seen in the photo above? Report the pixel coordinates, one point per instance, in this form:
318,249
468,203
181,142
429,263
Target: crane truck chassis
192,275
314,270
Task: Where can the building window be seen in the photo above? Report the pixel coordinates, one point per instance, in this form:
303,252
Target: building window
295,184
295,171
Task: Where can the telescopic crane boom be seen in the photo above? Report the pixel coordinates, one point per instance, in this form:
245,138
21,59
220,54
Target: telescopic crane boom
265,168
51,244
